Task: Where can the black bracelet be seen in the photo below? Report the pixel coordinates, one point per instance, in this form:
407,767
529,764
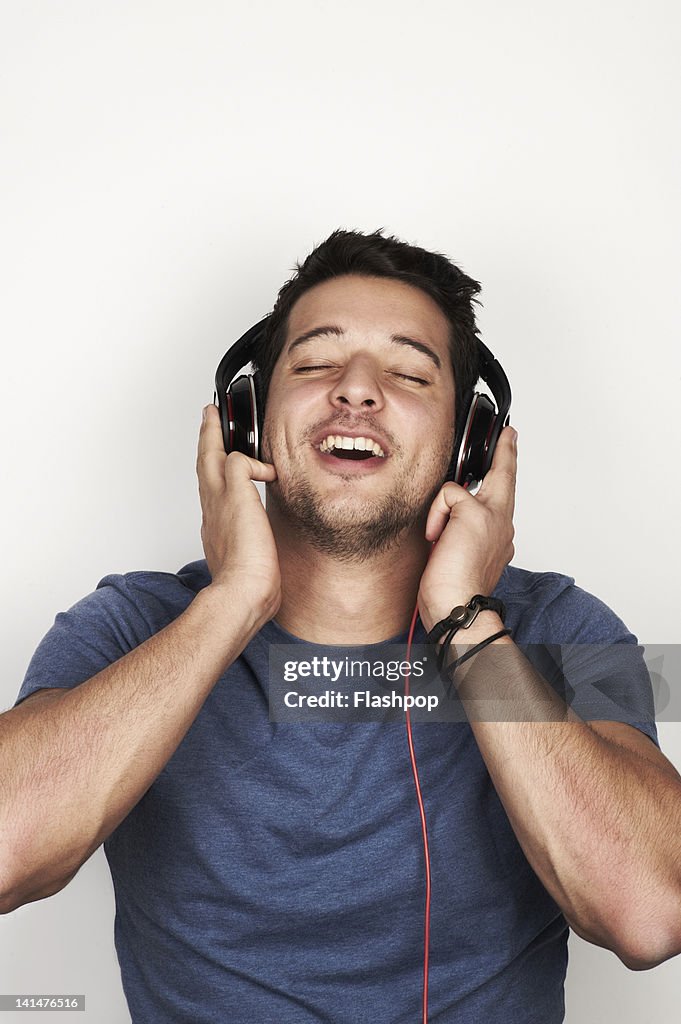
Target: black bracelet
443,649
451,669
462,617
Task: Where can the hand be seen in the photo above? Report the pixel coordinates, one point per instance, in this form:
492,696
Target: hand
235,532
474,536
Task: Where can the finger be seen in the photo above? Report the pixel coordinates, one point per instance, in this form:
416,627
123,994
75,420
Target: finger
211,454
498,486
241,465
449,495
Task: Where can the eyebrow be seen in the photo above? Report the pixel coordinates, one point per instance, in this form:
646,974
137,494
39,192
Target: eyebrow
397,339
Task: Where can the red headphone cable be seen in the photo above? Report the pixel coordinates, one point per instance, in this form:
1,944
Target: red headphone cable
424,828
422,813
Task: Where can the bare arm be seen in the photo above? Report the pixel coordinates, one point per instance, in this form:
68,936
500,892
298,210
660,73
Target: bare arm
599,821
598,818
73,763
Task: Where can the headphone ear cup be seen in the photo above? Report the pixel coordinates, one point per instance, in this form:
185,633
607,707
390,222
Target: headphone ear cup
241,406
223,401
259,411
474,456
461,421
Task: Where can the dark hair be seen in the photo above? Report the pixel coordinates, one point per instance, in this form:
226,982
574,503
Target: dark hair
374,255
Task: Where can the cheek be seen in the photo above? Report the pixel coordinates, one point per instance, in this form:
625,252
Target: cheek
282,434
434,429
445,426
270,439
288,422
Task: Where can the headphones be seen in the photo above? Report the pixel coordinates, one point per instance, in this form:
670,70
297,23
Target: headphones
241,402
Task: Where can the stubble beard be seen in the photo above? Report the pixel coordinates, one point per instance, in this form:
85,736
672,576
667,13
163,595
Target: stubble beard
357,530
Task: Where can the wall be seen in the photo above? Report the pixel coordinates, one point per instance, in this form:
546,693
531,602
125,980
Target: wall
166,163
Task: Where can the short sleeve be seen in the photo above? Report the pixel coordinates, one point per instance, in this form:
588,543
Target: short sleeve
92,634
602,668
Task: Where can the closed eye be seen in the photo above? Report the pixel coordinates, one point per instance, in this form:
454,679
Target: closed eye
403,376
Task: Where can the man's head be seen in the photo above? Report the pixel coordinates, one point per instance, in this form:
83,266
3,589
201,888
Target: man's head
406,351
374,255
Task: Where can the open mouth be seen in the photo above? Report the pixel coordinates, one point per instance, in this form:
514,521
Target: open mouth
353,449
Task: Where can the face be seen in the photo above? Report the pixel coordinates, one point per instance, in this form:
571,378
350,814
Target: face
360,420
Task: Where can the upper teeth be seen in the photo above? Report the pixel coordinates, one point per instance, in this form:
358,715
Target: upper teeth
362,444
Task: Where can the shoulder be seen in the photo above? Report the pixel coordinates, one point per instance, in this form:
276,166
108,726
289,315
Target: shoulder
123,611
599,670
129,607
549,607
156,594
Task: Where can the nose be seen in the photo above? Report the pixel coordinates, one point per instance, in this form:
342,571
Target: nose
358,387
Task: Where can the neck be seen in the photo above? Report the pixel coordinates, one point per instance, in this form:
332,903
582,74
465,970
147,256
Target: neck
326,600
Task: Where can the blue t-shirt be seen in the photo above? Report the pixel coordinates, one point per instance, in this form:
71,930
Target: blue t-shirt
273,872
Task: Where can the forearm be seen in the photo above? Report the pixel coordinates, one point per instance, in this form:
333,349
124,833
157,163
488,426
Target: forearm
74,764
600,825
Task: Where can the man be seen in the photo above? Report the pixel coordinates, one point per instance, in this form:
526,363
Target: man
269,871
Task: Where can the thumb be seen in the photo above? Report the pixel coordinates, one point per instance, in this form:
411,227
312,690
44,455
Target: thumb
449,495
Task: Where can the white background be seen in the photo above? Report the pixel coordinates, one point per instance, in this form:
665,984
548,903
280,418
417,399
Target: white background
165,163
